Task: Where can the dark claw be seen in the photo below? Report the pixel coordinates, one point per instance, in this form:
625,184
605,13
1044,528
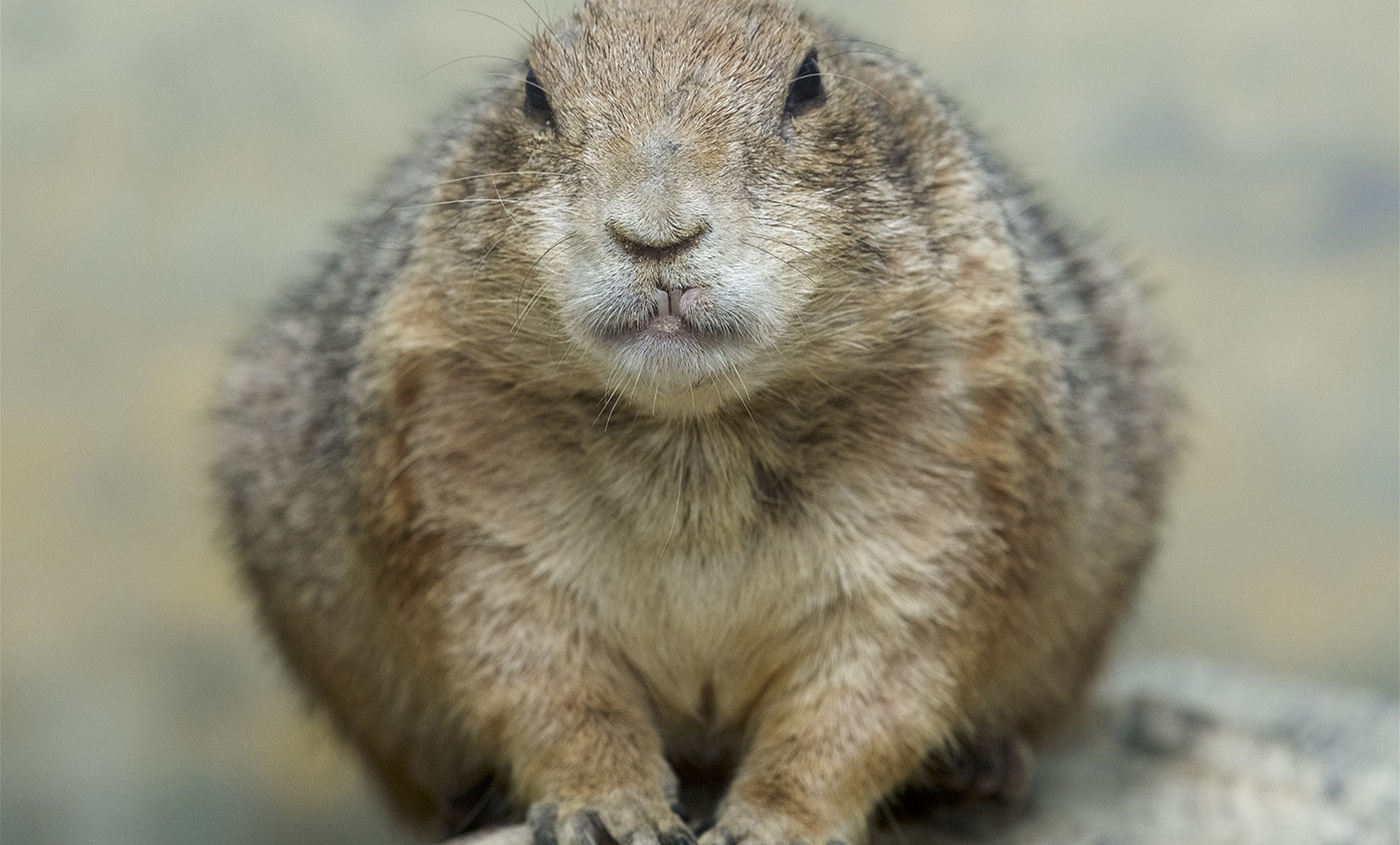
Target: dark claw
1002,772
677,837
542,818
1015,781
991,770
960,769
485,804
996,773
726,837
594,830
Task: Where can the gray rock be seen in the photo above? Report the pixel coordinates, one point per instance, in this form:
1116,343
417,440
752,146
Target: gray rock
1177,753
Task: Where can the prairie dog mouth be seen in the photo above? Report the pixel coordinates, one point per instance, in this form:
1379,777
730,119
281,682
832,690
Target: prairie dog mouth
668,316
671,307
666,338
669,303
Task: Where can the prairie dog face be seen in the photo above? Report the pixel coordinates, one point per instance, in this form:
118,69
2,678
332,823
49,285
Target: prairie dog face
682,183
668,277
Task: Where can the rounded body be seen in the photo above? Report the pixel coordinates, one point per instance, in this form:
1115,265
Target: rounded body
704,394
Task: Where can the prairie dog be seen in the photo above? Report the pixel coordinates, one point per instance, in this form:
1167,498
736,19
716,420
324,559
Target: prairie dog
704,394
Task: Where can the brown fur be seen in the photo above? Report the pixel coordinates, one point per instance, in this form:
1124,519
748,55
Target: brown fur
891,501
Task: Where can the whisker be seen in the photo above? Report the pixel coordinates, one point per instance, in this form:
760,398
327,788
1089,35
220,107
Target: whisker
501,173
825,56
495,186
743,392
450,62
860,265
540,18
636,379
807,275
540,290
879,48
680,493
522,33
463,201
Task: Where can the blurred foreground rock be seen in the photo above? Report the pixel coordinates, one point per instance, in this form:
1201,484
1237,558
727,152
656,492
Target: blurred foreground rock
1187,754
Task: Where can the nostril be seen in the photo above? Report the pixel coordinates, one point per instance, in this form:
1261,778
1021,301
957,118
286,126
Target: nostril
656,246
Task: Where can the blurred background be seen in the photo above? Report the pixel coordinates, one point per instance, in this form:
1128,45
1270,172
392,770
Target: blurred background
168,164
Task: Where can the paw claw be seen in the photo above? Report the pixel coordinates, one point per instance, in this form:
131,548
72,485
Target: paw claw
997,772
542,819
616,822
592,829
677,836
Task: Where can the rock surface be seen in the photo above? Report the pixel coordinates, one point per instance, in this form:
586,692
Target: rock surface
1176,752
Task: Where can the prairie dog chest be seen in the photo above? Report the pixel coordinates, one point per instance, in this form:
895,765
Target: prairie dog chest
704,555
707,632
701,557
713,586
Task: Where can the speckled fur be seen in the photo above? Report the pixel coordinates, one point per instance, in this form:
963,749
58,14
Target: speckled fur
895,507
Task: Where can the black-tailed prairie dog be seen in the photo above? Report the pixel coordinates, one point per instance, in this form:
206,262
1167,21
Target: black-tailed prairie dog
703,394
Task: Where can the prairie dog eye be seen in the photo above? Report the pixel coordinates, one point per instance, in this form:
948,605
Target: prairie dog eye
806,90
536,100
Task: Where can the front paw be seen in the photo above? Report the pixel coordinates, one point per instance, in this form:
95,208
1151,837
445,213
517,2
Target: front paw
996,771
618,820
991,777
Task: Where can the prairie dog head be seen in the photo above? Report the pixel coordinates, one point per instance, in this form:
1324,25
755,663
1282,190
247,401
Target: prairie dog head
687,201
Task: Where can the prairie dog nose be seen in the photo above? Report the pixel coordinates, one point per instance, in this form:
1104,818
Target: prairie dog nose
658,208
656,241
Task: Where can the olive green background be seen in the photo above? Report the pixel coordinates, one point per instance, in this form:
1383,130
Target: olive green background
168,165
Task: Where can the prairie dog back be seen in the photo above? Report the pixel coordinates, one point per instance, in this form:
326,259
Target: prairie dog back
703,395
